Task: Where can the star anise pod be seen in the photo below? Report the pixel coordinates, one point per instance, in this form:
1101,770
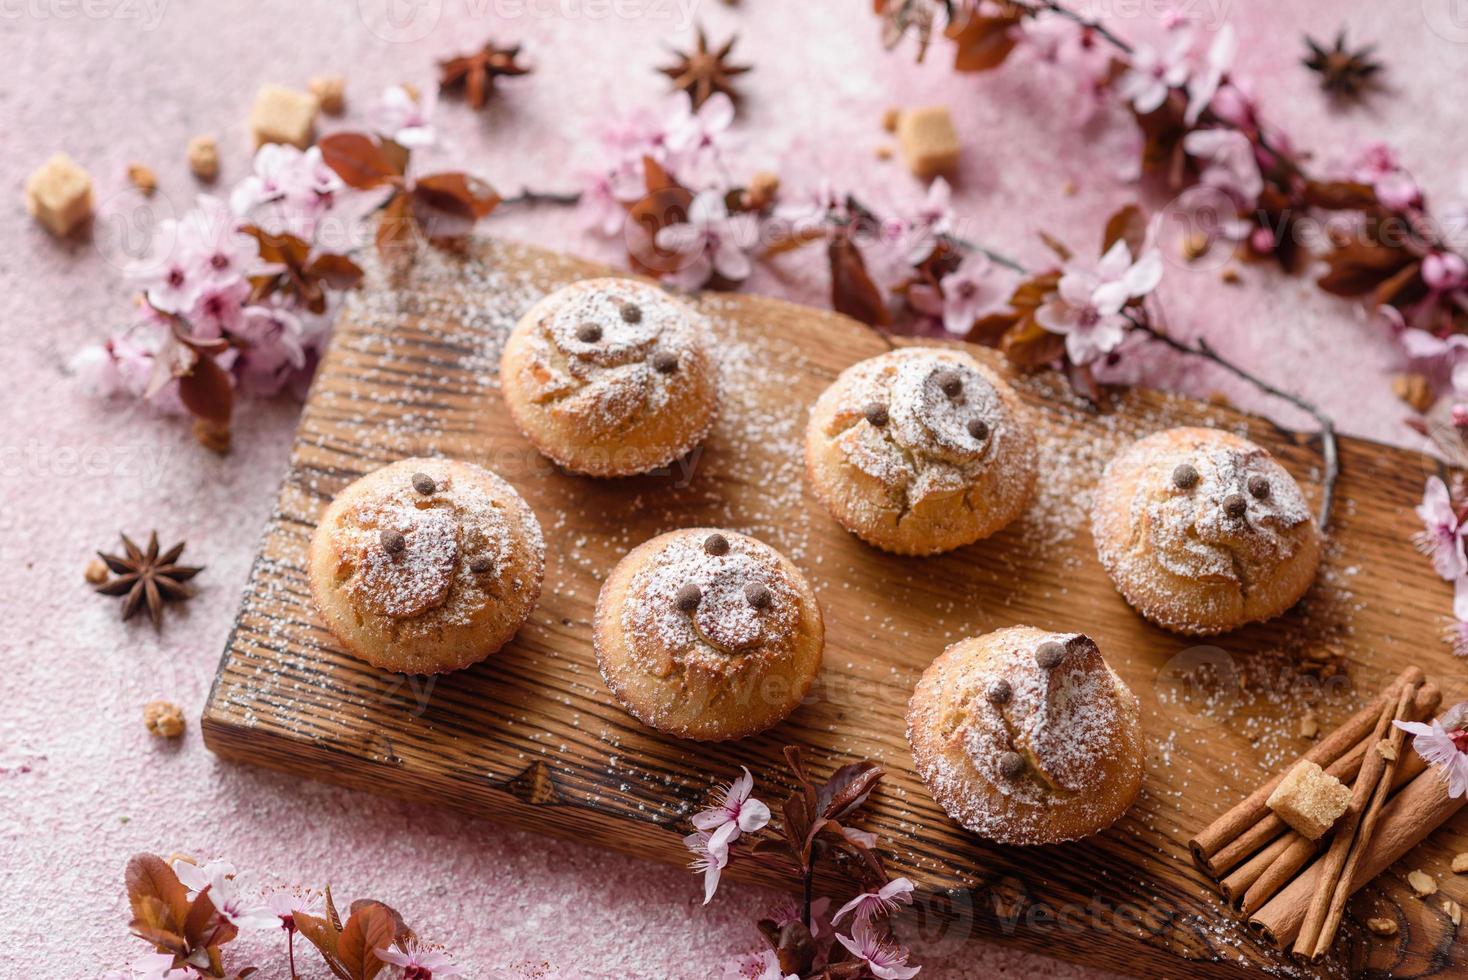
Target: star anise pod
475,72
148,577
702,72
1342,71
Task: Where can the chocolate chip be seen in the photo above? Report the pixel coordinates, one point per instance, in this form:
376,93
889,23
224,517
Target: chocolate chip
665,362
999,692
481,565
588,333
1185,477
757,595
689,597
876,414
1011,764
716,544
1234,505
979,429
631,313
1259,487
393,542
1050,655
950,383
424,484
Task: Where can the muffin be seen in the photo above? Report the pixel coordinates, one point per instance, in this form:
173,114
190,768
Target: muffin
1202,531
611,377
1026,737
708,634
426,565
920,450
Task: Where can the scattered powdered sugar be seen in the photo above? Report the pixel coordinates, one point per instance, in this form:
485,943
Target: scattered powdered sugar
725,626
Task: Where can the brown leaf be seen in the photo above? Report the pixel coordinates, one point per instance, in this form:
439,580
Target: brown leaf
982,41
337,271
1339,195
322,933
1128,225
206,391
1029,346
848,788
447,205
1402,289
1358,267
852,290
1055,245
666,203
988,329
157,897
371,926
1035,291
395,224
357,159
1163,130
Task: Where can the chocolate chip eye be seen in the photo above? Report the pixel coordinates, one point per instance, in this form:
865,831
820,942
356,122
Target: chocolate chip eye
979,429
424,484
876,414
1011,764
950,383
631,313
481,565
1050,655
999,692
393,542
1259,487
1185,477
588,333
689,597
665,362
716,544
757,595
1234,505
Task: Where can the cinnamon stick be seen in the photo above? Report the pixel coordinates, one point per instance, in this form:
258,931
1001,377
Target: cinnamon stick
1233,824
1422,806
1330,883
1394,739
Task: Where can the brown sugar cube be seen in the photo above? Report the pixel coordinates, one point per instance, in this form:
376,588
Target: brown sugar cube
330,92
142,178
163,719
203,156
283,115
1460,863
928,140
1310,800
59,195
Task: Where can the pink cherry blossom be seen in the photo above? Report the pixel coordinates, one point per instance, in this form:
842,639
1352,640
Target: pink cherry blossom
606,195
790,910
883,956
1088,307
219,308
970,291
1378,165
273,351
710,241
419,962
764,965
1444,271
120,365
226,892
152,966
737,813
1076,52
917,234
696,136
1216,63
404,117
1153,74
1229,164
709,860
1444,745
883,901
1441,537
209,239
290,190
1236,104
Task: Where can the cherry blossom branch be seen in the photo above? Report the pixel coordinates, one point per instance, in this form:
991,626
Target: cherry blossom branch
1090,24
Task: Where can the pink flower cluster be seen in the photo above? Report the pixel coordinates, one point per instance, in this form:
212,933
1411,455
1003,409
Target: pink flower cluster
1443,744
1444,529
198,276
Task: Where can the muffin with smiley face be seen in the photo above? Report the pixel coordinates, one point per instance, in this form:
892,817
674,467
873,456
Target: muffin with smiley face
611,377
920,450
1203,531
708,634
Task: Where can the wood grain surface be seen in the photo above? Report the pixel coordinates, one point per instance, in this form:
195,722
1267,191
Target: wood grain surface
532,737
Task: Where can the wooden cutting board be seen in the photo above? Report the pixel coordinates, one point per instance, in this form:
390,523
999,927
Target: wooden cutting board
533,738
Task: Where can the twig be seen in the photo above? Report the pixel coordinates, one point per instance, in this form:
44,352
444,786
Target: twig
1090,24
528,196
1329,450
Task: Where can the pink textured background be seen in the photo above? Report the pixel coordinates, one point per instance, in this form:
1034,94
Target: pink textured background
82,785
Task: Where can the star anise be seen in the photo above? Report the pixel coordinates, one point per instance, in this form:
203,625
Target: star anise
148,577
475,72
702,72
1342,71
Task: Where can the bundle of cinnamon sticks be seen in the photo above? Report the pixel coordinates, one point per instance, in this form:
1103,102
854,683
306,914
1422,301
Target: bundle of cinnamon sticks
1295,895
